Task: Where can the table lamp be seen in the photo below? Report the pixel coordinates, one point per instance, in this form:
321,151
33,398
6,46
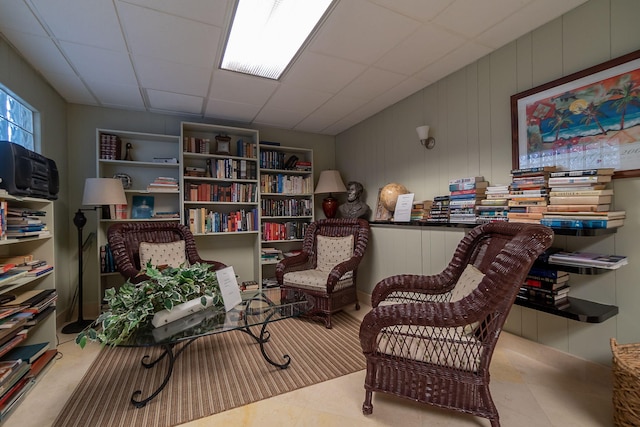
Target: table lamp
330,182
97,192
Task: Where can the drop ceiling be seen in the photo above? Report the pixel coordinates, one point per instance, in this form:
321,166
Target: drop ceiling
163,55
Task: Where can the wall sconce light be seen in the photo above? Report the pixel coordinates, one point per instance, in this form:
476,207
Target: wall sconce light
423,134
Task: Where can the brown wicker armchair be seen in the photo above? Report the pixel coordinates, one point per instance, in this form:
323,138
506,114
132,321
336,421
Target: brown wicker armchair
428,340
327,267
125,238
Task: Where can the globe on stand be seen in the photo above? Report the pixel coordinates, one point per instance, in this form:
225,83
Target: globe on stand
389,195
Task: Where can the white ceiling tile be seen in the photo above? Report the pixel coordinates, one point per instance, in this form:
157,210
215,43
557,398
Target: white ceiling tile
117,94
241,88
168,37
16,15
322,72
422,48
100,64
235,111
361,31
472,17
457,59
524,20
90,22
41,53
372,83
276,117
330,112
297,99
166,101
71,88
172,77
207,11
421,10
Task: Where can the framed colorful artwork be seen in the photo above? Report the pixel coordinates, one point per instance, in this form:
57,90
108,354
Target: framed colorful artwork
586,120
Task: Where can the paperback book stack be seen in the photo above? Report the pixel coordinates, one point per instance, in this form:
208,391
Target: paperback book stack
270,255
581,199
494,207
439,212
587,259
465,194
528,194
420,210
19,370
163,183
547,286
25,223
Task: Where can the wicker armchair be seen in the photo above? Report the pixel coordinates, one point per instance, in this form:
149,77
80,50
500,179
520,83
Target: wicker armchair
327,273
125,238
428,340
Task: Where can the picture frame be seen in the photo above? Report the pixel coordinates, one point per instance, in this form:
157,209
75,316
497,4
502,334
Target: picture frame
381,213
223,144
586,120
142,207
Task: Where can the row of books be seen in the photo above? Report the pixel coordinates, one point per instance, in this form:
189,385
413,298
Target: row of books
546,286
107,262
110,146
286,184
286,207
290,230
19,266
231,169
464,195
237,192
201,220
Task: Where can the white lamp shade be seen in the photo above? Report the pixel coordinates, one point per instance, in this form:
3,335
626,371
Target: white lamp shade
103,191
423,132
330,182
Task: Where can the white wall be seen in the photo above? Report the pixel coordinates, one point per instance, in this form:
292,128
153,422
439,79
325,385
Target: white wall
469,114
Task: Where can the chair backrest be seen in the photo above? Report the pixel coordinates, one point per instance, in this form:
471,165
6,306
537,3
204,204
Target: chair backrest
336,227
125,238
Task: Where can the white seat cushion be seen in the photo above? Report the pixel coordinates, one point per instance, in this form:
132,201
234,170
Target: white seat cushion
331,251
315,280
161,254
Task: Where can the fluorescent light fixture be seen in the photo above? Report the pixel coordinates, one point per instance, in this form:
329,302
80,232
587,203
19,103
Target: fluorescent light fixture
267,34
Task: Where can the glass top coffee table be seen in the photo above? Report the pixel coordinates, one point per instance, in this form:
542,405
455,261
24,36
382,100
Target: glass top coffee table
253,314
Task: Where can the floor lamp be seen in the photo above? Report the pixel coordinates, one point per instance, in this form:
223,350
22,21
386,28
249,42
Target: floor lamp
330,182
97,192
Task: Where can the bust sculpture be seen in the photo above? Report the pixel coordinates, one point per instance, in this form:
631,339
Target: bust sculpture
354,207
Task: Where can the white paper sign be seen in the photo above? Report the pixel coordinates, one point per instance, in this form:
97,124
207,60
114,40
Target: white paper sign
229,287
403,208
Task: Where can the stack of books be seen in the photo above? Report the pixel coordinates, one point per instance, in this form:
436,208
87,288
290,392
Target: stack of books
528,194
439,212
19,369
587,259
420,210
464,196
494,207
25,223
547,286
581,199
270,255
163,183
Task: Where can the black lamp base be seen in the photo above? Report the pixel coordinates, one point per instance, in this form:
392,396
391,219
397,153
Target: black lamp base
76,327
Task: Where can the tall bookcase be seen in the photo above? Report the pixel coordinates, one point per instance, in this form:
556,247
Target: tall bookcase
139,159
220,200
286,201
42,248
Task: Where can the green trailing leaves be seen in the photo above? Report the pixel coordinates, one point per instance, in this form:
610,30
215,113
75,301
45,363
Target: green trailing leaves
132,306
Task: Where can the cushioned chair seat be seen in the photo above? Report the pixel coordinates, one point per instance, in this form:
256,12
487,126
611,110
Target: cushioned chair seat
315,280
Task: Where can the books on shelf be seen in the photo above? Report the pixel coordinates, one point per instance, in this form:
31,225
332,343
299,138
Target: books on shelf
28,353
586,179
588,259
11,276
579,200
583,172
163,183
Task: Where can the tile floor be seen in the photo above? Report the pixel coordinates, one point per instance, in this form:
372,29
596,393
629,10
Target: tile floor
532,386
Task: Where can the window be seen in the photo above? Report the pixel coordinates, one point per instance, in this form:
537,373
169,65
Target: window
16,121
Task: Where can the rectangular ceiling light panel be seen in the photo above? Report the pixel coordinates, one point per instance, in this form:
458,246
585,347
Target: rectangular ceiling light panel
266,35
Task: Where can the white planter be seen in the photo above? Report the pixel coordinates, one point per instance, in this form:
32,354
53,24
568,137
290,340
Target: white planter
179,311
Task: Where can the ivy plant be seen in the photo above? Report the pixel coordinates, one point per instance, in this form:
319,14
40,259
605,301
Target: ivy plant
134,305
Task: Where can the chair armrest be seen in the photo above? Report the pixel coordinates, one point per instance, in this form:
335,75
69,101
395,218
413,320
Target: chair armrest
434,314
298,262
430,285
339,270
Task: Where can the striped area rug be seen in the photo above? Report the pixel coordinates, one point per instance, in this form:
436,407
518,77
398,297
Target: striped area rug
214,374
